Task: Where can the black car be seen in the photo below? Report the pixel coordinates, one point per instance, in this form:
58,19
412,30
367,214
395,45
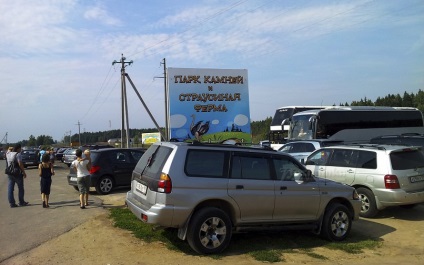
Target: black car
30,157
59,153
110,168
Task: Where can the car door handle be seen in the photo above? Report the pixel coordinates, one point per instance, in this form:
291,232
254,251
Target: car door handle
239,187
283,188
350,171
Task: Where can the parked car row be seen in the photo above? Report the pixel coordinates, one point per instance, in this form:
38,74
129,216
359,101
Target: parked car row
209,191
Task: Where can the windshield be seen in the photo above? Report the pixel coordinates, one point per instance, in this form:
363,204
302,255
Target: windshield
300,128
280,115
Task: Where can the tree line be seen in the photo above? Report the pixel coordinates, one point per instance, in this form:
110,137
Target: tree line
259,129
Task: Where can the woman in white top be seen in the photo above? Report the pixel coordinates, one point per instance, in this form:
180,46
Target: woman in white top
83,166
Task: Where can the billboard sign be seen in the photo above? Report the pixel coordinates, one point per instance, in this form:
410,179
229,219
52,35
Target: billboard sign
208,105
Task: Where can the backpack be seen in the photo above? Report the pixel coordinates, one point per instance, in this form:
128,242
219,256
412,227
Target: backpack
13,168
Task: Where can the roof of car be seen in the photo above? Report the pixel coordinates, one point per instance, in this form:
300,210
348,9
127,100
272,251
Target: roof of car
384,147
116,149
218,145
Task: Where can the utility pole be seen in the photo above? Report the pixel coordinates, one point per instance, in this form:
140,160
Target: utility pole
70,141
166,98
124,101
79,132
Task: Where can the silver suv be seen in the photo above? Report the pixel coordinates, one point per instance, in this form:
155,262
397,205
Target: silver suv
210,191
383,175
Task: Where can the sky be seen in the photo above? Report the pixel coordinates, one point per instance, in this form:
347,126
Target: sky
56,56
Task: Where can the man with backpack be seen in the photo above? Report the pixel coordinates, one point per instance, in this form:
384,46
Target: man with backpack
15,157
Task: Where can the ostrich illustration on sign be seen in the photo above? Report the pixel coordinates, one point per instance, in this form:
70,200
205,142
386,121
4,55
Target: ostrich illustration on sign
208,105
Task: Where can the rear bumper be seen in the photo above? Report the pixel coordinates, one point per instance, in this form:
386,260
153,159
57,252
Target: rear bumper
386,198
158,214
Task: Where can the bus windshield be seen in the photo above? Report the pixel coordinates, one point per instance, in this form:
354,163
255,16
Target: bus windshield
301,127
280,124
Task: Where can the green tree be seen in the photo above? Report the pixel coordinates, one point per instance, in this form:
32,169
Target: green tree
32,141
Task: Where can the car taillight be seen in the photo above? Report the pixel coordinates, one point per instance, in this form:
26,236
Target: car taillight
391,182
164,184
94,169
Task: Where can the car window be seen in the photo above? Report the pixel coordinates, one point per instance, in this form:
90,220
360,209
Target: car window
341,158
319,158
308,147
152,161
205,163
407,160
286,169
120,157
136,155
367,159
298,148
286,148
248,166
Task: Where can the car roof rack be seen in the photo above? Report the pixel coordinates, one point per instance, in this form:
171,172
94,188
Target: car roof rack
244,147
375,146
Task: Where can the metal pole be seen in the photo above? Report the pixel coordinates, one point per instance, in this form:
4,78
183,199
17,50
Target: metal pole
126,114
122,101
145,106
124,108
166,101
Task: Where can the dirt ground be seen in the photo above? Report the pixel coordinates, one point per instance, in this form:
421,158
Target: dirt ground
99,242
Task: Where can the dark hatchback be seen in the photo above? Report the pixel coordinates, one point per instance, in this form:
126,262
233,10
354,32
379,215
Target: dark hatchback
30,157
110,168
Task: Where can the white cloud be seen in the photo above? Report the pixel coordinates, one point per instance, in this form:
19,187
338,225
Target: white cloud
99,13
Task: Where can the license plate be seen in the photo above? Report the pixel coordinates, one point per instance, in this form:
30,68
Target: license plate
416,179
73,179
141,188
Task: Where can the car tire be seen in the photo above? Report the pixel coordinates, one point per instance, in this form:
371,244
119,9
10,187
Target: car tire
337,222
209,231
104,185
368,207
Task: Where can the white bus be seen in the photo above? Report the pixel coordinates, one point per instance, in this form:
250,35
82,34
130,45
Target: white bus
355,124
280,123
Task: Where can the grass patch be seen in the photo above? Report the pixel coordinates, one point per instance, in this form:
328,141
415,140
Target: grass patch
262,246
272,255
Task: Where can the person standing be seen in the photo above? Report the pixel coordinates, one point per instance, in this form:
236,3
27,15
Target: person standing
52,156
15,157
41,153
45,171
82,166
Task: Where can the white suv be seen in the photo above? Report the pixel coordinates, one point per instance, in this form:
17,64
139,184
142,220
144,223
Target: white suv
210,191
383,175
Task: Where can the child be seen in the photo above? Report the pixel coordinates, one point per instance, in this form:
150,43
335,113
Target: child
45,170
